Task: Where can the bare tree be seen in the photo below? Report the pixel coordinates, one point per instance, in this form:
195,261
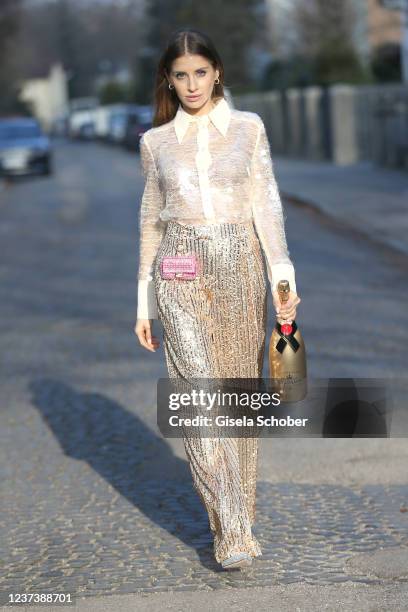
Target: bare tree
326,35
97,37
85,36
233,25
10,14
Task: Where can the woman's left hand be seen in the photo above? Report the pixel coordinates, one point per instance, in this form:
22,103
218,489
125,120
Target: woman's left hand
286,311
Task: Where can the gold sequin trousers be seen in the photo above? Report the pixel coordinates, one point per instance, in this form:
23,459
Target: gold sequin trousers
214,327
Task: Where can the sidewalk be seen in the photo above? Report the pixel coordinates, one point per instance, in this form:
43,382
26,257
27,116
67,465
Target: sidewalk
301,597
370,200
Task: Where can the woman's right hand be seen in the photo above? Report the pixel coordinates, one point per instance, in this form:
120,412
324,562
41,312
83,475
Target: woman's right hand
286,311
143,330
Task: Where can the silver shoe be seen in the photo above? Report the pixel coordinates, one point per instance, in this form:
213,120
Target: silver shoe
240,559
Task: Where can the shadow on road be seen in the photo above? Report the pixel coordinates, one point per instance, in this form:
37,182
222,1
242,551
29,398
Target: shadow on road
116,444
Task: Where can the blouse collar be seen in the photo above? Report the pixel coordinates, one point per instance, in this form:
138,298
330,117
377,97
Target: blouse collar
220,116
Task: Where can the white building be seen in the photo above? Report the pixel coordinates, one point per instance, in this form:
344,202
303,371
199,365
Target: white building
48,96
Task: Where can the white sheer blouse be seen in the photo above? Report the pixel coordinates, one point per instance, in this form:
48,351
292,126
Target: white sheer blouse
203,170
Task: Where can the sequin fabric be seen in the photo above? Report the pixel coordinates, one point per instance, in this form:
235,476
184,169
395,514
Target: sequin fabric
202,170
214,327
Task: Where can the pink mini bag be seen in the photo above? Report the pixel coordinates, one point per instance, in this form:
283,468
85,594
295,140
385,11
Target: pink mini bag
182,267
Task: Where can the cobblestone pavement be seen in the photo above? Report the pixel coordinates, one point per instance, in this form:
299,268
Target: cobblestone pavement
96,529
93,499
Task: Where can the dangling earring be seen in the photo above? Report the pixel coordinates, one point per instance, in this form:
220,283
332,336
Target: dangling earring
217,81
171,86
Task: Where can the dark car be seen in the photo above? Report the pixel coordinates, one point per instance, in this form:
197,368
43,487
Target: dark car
24,149
139,120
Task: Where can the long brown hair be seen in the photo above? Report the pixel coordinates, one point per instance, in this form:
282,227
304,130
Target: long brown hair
182,41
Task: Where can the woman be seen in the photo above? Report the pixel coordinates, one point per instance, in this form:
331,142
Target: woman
210,191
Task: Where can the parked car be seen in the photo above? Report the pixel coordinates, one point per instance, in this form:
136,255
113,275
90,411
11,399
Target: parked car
81,125
101,120
24,148
117,125
139,120
86,131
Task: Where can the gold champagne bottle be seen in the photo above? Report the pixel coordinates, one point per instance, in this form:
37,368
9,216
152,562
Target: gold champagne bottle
287,355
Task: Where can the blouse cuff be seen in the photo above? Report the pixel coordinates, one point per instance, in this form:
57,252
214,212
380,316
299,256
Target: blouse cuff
146,300
283,272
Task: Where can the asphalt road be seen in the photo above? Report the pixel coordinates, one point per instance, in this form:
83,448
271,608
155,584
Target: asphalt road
82,458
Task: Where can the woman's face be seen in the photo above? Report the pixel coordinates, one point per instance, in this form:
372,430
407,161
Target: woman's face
193,78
